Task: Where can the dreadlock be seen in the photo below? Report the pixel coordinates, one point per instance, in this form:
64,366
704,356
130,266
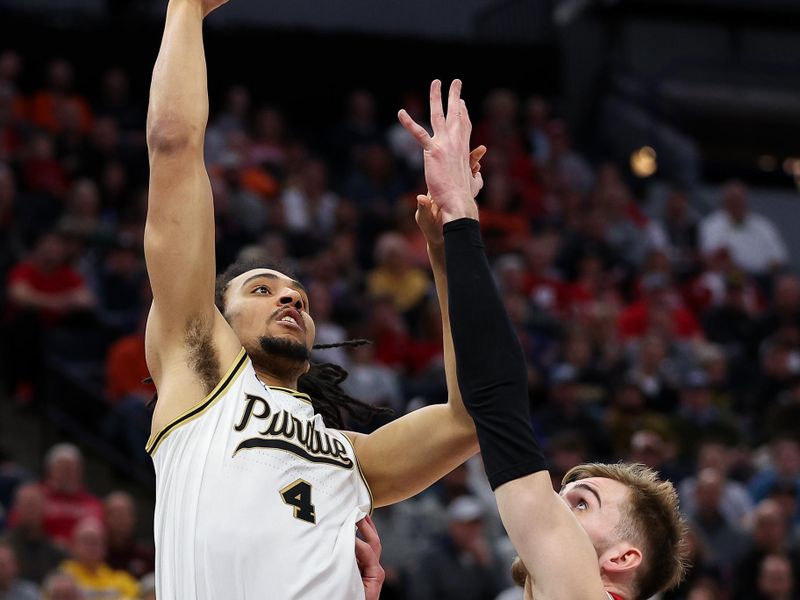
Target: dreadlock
323,381
323,384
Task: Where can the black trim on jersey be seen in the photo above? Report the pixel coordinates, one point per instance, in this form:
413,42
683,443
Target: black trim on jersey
277,444
200,407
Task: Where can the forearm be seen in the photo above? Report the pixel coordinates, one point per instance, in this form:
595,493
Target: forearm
437,260
178,110
490,364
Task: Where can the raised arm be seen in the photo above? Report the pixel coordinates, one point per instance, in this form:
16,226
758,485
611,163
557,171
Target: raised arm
492,376
434,440
179,234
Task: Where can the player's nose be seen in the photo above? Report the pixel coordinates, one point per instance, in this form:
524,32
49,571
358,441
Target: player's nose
291,297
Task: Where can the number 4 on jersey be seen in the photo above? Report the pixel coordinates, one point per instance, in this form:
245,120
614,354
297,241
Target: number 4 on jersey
298,495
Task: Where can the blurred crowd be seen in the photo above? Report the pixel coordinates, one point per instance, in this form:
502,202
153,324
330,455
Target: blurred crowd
670,338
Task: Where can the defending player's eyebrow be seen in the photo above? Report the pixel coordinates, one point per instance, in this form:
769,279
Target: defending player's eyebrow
292,283
591,489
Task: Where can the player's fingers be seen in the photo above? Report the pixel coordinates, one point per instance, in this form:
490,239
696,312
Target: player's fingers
475,158
364,553
454,100
466,124
437,111
479,181
415,129
370,534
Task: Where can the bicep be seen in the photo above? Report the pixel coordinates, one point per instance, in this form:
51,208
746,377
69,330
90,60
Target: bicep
409,454
179,238
554,548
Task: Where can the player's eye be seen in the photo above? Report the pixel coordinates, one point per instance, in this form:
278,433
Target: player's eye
261,289
582,505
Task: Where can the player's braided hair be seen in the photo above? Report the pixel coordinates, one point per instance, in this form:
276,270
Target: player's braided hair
322,384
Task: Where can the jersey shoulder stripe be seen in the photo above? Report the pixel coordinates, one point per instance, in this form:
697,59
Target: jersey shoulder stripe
233,373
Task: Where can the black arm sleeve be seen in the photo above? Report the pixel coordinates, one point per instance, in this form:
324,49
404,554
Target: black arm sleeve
491,368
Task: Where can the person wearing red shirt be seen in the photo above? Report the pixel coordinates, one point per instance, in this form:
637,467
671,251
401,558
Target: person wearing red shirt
658,298
43,289
66,501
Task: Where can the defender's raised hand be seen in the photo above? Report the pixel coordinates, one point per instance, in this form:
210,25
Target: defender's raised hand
429,216
448,174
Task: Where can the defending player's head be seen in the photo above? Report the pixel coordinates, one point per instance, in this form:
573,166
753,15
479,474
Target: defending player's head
269,313
633,521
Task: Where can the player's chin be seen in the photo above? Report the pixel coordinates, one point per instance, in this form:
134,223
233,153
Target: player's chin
292,334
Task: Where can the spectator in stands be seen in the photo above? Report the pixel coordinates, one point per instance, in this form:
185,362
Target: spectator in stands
37,554
357,130
726,540
66,499
566,412
119,283
42,172
650,448
309,207
568,163
701,572
697,418
659,300
735,502
537,114
733,323
503,224
61,586
372,382
89,568
268,145
770,536
753,240
11,586
775,578
785,307
499,128
43,289
655,372
628,414
116,103
784,469
680,229
394,277
125,551
462,566
47,106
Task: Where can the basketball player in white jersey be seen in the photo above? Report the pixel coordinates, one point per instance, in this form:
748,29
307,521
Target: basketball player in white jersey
614,531
257,495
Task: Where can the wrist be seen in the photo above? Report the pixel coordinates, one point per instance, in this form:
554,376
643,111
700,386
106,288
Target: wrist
436,247
460,212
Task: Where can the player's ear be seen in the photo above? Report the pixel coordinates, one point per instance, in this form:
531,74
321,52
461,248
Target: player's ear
620,557
308,367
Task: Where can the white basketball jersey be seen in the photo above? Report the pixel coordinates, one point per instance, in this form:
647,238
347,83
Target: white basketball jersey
256,498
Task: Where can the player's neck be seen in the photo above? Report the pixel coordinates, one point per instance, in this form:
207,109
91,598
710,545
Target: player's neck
275,380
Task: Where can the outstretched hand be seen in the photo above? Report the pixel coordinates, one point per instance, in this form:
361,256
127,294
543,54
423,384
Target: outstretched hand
368,556
448,173
429,216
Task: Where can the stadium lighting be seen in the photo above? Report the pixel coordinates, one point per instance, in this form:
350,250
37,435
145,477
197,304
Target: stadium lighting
644,162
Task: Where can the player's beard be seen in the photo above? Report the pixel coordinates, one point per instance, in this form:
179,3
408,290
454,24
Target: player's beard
282,358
